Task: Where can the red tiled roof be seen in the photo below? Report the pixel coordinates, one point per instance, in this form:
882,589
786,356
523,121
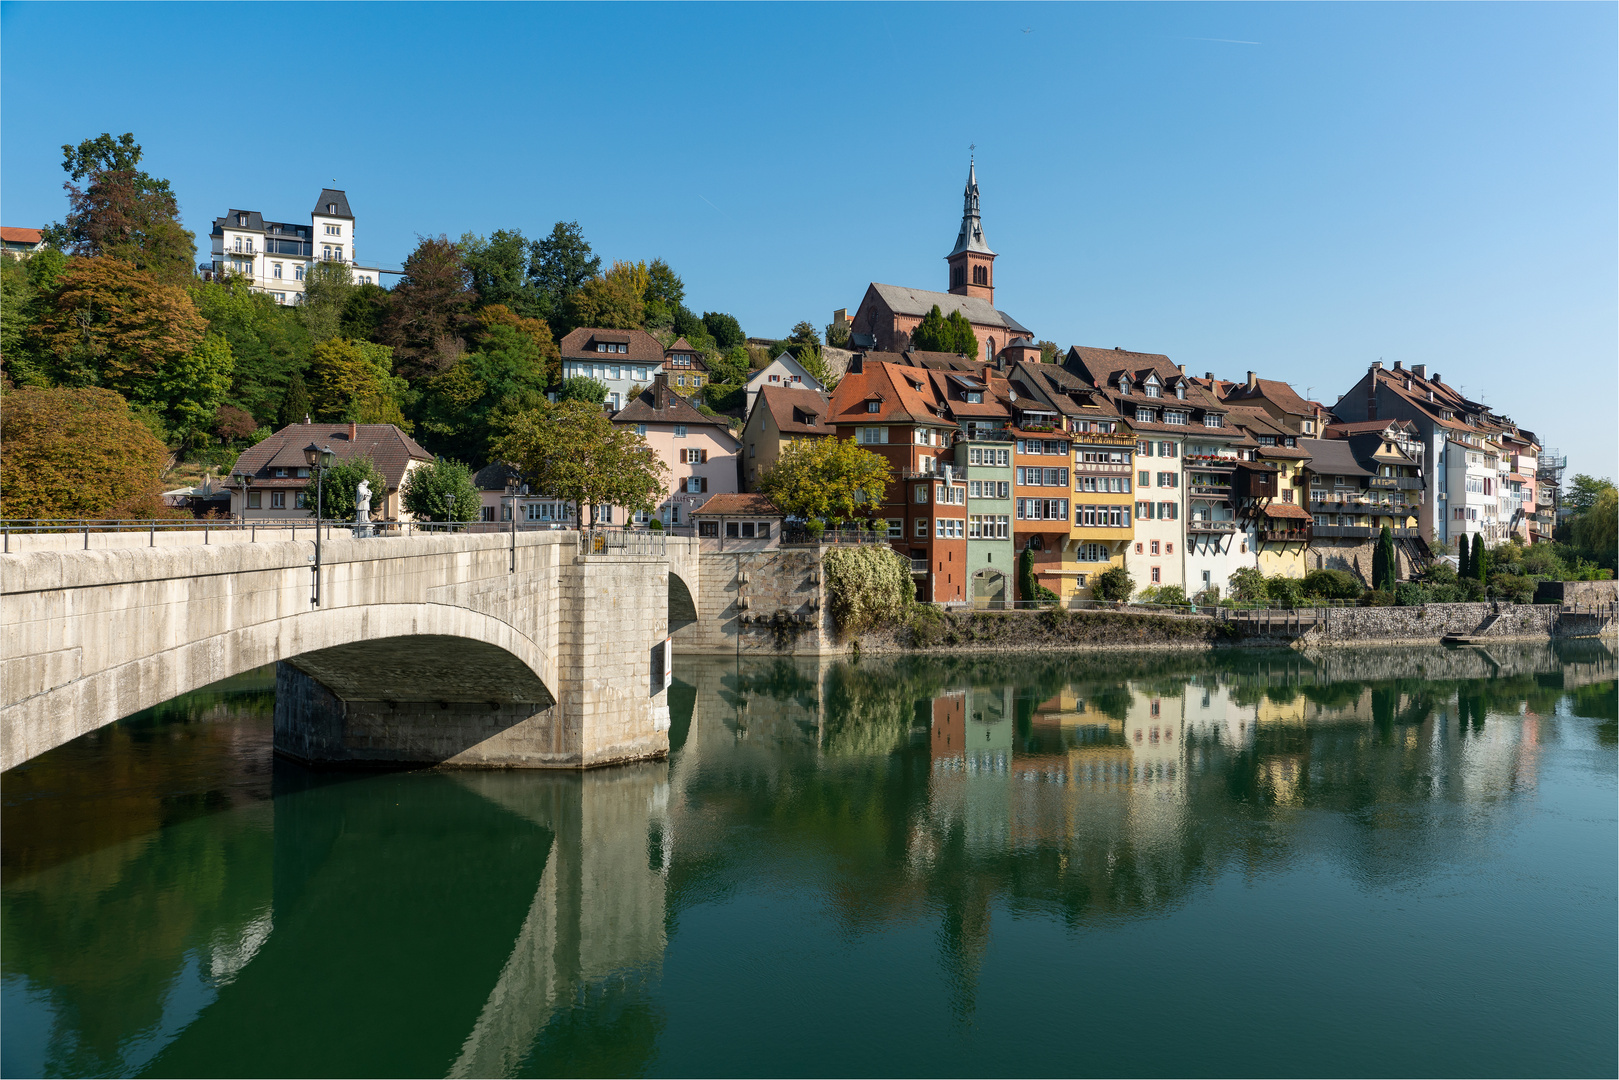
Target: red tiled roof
783,402
390,449
11,235
1287,510
903,396
1277,393
580,345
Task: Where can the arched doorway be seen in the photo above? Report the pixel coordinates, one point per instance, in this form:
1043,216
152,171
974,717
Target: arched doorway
989,589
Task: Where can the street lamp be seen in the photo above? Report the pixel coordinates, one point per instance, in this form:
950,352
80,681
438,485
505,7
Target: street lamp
241,480
320,459
449,514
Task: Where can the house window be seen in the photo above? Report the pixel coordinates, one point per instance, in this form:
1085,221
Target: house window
921,528
1144,513
695,457
873,435
1213,420
1154,547
1167,511
278,500
298,272
334,230
1138,547
1169,549
710,529
1168,480
640,429
1155,576
1167,449
1143,415
253,498
1152,390
275,270
873,406
896,528
696,484
680,431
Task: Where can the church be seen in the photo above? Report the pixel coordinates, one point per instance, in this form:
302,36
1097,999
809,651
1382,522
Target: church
888,313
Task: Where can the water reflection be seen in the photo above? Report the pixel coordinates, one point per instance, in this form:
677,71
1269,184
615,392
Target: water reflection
175,904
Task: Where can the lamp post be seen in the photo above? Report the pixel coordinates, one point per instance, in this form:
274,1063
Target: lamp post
449,514
241,480
320,459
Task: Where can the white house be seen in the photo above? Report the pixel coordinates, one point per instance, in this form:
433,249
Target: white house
784,370
274,255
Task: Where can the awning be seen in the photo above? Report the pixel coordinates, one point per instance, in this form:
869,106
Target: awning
1287,510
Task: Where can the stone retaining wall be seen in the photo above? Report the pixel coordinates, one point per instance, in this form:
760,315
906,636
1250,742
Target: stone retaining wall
1430,622
760,602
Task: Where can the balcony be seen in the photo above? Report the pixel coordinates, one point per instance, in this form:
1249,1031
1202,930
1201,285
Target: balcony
1383,481
1098,438
1205,461
1343,532
1209,491
1410,483
1097,468
242,247
919,566
1202,526
981,435
926,474
294,248
1285,536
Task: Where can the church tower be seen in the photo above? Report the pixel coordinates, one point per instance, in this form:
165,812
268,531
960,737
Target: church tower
972,264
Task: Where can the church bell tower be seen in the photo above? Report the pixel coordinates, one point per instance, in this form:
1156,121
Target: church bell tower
972,264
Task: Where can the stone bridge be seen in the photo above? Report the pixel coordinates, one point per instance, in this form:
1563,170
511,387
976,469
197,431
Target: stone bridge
497,649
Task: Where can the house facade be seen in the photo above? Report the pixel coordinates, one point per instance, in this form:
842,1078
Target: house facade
700,453
277,470
688,374
787,415
274,256
624,361
782,373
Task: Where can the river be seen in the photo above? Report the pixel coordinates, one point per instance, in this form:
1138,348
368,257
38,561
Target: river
1357,862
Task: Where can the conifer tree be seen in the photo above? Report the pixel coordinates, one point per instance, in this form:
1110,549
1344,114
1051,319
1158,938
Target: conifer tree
1480,562
1464,569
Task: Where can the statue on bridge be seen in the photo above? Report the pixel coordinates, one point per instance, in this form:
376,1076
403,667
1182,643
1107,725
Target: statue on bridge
362,509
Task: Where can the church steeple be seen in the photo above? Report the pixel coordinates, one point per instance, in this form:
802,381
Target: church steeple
972,263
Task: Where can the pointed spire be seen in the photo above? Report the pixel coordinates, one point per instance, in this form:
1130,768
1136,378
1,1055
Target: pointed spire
971,237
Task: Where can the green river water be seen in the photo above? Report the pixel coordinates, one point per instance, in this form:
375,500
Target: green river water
1360,862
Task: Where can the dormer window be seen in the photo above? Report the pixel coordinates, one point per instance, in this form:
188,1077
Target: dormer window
241,219
873,406
1124,385
1152,390
331,208
1213,420
1180,391
974,397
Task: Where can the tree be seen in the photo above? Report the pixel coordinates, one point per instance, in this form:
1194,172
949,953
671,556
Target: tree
1247,583
1048,352
1385,564
26,287
826,479
584,389
545,353
268,340
837,335
233,425
1027,583
75,453
191,389
731,366
560,264
687,325
366,313
1583,492
935,333
1464,559
328,287
572,451
724,329
122,212
112,324
295,406
339,486
430,308
606,303
427,490
498,269
1479,564
354,381
1114,583
1594,530
514,363
664,286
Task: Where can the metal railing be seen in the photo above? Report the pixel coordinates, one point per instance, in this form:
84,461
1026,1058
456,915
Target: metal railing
14,531
623,542
848,534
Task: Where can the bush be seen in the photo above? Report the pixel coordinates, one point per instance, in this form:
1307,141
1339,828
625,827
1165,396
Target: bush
655,525
1284,591
1472,590
1172,595
1114,583
1379,598
1332,585
1248,583
926,623
1517,588
868,586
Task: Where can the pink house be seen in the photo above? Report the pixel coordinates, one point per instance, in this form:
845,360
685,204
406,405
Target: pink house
700,451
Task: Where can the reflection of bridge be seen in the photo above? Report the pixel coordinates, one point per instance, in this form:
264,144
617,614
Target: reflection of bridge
510,649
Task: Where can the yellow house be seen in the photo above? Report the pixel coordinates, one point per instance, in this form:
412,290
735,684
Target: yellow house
780,416
1281,520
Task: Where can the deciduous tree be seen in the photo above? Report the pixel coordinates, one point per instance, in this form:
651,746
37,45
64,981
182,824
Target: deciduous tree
75,453
339,486
328,287
498,268
560,264
608,303
826,479
427,489
724,329
572,451
430,309
122,212
354,380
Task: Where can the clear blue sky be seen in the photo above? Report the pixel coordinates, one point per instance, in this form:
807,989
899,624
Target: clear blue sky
1297,189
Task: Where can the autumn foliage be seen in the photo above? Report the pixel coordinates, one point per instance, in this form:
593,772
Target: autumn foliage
76,453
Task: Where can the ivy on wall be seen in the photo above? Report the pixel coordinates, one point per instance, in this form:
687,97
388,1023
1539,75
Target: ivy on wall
867,586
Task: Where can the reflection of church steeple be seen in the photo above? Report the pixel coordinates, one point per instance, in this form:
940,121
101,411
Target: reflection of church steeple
972,263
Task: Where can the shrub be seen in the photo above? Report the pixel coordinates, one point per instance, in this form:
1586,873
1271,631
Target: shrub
655,525
1332,585
926,623
1517,588
1284,591
867,586
1248,583
1114,583
1472,590
1379,598
1171,595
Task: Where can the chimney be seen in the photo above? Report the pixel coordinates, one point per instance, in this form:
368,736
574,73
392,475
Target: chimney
1182,368
1209,375
1377,365
1253,381
1438,377
660,391
1399,365
1420,370
354,431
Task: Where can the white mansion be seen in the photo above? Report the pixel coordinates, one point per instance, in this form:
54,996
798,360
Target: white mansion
274,255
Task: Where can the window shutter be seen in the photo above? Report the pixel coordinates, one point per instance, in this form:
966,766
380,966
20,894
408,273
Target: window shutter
704,457
702,481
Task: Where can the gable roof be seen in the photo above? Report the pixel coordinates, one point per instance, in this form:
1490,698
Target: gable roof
659,405
1102,366
390,449
905,301
580,344
734,504
785,403
895,389
21,236
1277,393
1332,457
788,361
329,196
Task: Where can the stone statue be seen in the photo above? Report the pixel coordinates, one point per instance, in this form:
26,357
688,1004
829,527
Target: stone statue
362,502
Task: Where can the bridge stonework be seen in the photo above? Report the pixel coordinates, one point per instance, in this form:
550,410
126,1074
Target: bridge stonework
482,650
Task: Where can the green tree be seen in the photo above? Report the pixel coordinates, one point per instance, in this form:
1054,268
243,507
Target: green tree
1464,559
295,406
664,290
560,264
190,389
1583,492
826,479
354,381
1048,352
1385,563
584,389
731,366
122,212
935,333
1114,583
1479,564
606,303
1517,588
1330,585
1247,583
1028,585
339,486
76,453
515,362
572,451
268,340
366,313
724,329
26,289
328,286
1594,530
428,489
498,268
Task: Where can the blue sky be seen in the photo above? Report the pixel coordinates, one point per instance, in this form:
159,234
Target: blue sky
1296,189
